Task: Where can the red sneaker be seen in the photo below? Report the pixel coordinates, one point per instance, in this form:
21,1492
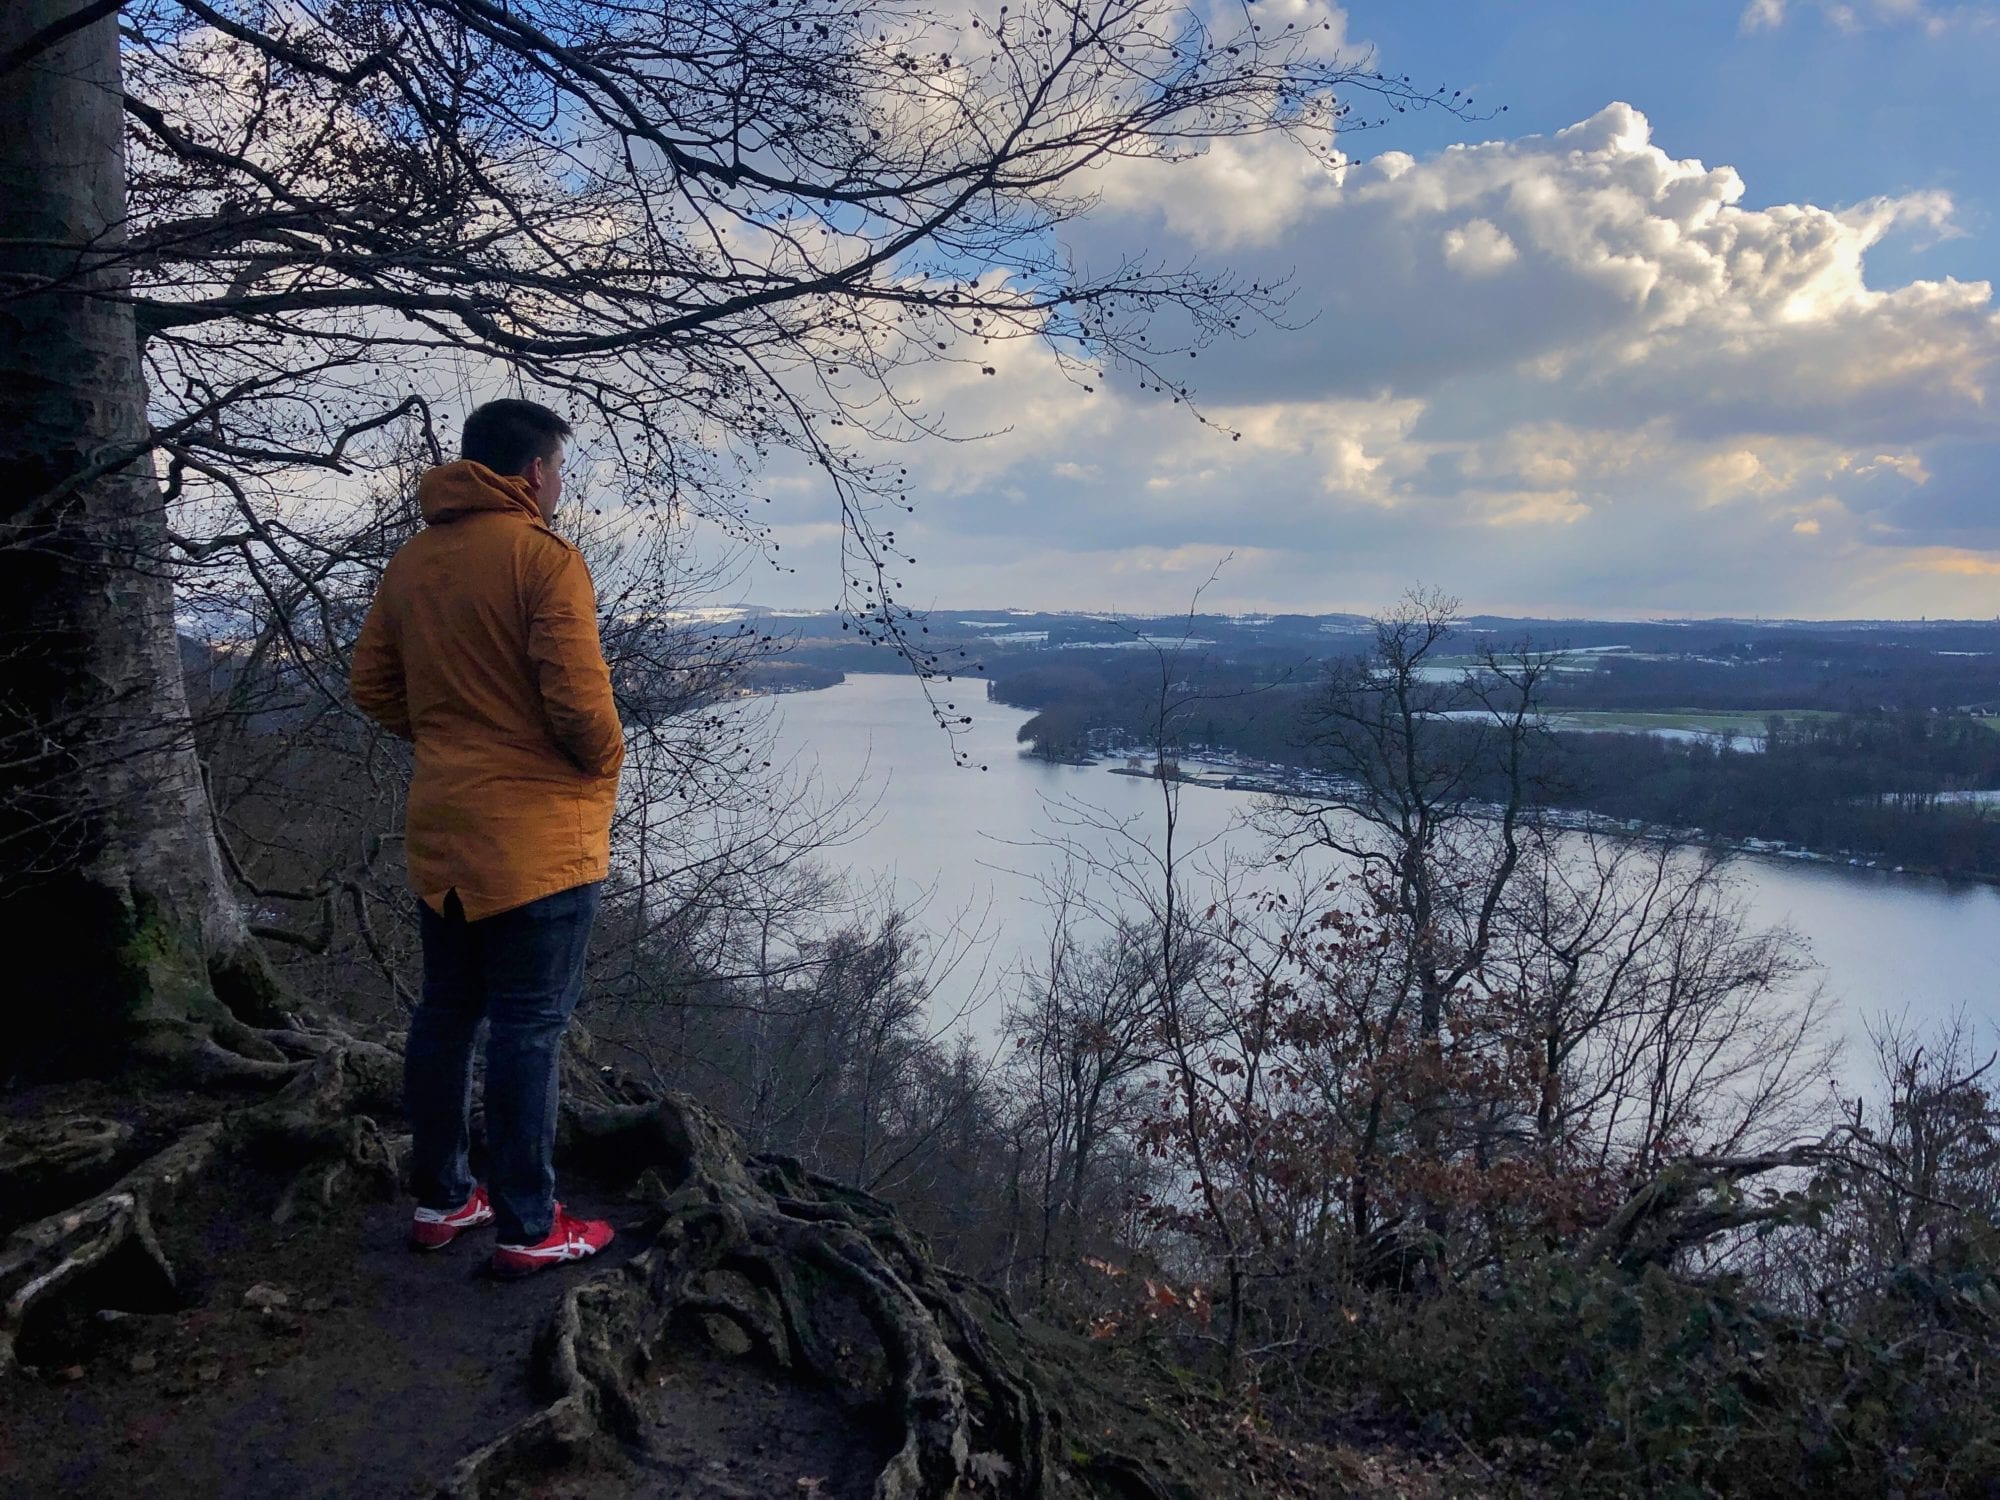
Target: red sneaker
568,1239
434,1228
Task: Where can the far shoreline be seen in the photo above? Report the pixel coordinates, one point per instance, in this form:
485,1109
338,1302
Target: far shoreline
1284,782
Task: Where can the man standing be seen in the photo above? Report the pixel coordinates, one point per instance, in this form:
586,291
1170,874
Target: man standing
481,647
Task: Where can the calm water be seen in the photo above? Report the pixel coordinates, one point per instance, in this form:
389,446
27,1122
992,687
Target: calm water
966,844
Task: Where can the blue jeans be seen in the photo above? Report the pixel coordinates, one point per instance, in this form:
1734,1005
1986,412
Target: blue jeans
520,972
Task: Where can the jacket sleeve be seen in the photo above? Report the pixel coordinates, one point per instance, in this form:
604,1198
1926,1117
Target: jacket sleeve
375,677
569,665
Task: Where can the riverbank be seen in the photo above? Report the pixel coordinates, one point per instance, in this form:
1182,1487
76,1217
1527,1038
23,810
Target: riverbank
1222,772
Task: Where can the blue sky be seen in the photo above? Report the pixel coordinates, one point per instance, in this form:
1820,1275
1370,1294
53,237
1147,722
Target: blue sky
1702,324
1809,111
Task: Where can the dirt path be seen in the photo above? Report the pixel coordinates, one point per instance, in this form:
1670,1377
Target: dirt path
333,1361
330,1360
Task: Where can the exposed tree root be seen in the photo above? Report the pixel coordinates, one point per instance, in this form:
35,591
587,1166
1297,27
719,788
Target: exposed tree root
46,1257
325,1118
45,1164
778,1253
224,1052
210,1065
322,1120
818,1281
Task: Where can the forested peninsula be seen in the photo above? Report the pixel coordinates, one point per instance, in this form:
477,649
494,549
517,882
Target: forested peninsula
1871,744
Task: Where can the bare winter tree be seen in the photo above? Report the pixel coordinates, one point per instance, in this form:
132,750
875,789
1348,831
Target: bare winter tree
248,250
1923,1163
1649,1019
1432,802
1150,1008
1419,749
1081,1038
1455,1025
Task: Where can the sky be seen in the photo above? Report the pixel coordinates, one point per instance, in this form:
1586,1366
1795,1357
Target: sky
1702,324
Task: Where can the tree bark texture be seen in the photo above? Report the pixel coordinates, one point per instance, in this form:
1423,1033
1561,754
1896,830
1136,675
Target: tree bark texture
116,922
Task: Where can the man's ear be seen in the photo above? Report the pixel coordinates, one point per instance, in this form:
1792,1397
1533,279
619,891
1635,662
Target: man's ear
537,475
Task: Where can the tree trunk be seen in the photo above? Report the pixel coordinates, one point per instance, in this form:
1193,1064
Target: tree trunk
116,922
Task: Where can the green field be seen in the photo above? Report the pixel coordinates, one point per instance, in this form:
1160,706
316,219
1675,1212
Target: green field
1739,724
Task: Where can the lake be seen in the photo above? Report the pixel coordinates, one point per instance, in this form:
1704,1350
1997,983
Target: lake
963,844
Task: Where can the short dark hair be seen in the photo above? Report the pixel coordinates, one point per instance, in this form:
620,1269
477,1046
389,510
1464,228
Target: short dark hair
507,435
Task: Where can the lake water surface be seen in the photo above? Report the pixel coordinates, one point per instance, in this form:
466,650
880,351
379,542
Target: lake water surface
966,844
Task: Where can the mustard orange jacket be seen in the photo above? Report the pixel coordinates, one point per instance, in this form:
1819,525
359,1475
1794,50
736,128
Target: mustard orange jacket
481,647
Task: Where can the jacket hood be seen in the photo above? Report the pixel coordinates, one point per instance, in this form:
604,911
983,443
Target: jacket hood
464,488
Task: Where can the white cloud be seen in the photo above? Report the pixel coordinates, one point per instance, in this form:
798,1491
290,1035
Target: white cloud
1929,16
1238,192
1478,249
1566,372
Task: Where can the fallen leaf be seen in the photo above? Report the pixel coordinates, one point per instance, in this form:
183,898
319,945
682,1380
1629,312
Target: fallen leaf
988,1468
